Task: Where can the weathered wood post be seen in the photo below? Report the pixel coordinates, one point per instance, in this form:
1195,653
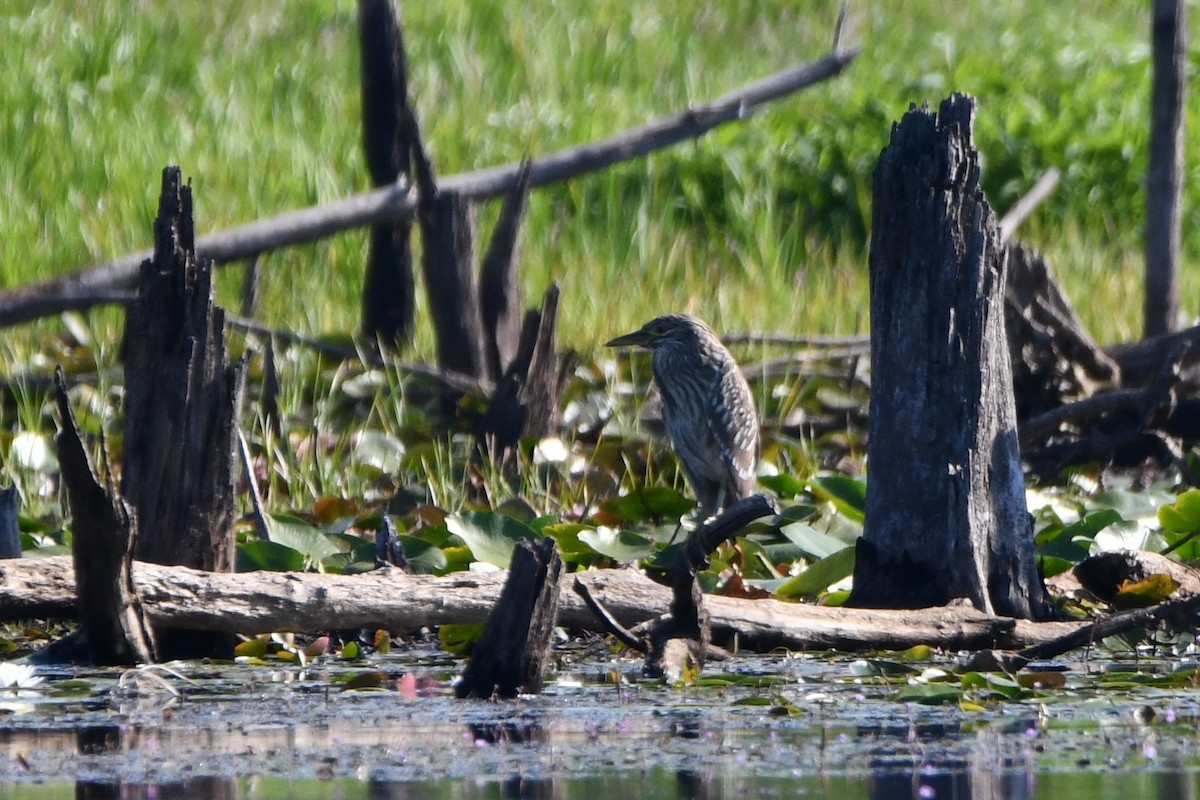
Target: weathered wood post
182,400
104,529
1165,173
389,293
946,512
512,654
10,529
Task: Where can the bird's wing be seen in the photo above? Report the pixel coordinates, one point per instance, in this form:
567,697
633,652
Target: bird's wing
736,433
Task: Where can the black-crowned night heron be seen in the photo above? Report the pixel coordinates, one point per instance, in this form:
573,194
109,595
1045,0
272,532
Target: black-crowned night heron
707,407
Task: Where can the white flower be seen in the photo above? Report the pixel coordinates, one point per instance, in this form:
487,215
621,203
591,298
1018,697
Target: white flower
18,676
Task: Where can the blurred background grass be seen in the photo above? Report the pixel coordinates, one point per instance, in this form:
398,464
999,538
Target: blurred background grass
760,226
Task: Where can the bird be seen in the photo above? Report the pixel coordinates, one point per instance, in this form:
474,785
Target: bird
707,407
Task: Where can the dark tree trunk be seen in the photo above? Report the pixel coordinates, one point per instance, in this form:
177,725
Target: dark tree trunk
526,400
1165,173
388,288
500,284
946,516
448,231
1054,359
104,528
182,398
10,528
512,653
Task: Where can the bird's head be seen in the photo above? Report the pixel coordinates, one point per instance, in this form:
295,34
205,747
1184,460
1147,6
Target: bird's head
665,331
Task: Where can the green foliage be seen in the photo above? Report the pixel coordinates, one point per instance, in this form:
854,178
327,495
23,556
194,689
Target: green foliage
491,536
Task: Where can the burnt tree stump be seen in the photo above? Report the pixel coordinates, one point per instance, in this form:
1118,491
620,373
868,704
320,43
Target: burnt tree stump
1054,359
10,524
389,293
526,400
104,529
499,280
946,517
182,399
1166,171
512,653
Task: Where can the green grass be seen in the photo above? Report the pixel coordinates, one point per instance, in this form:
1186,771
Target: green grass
759,226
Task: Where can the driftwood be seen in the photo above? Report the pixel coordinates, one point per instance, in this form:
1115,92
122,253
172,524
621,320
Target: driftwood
389,293
111,281
512,654
262,602
105,529
946,516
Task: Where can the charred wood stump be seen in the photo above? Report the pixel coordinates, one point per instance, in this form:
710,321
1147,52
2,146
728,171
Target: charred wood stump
104,530
10,524
682,637
182,400
1054,359
388,289
1166,172
511,655
526,400
946,517
500,283
448,263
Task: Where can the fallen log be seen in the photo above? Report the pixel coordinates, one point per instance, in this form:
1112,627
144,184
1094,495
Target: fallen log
262,602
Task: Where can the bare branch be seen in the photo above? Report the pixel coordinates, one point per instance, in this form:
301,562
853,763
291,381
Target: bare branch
1025,206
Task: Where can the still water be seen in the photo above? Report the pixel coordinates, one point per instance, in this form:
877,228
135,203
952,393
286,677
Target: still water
768,727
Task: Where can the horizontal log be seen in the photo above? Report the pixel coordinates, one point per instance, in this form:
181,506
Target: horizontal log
261,602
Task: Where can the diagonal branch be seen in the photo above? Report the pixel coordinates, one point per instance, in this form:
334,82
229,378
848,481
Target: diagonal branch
96,284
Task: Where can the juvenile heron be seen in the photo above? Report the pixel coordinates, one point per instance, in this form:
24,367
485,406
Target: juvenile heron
707,407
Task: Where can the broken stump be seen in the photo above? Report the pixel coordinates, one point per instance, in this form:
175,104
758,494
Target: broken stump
182,401
946,516
511,655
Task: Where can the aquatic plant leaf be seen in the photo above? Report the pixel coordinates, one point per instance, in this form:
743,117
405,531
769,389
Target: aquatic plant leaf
251,648
930,694
459,639
623,546
491,536
1141,594
819,576
848,495
365,680
299,535
258,554
649,503
423,558
1182,516
811,541
786,486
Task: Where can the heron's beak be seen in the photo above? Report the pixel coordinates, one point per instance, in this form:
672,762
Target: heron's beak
638,337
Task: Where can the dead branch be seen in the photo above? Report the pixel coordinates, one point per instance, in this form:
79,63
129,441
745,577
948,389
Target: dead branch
1021,209
1181,613
88,287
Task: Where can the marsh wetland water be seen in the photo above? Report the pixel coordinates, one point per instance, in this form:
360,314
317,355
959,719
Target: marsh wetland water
771,726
